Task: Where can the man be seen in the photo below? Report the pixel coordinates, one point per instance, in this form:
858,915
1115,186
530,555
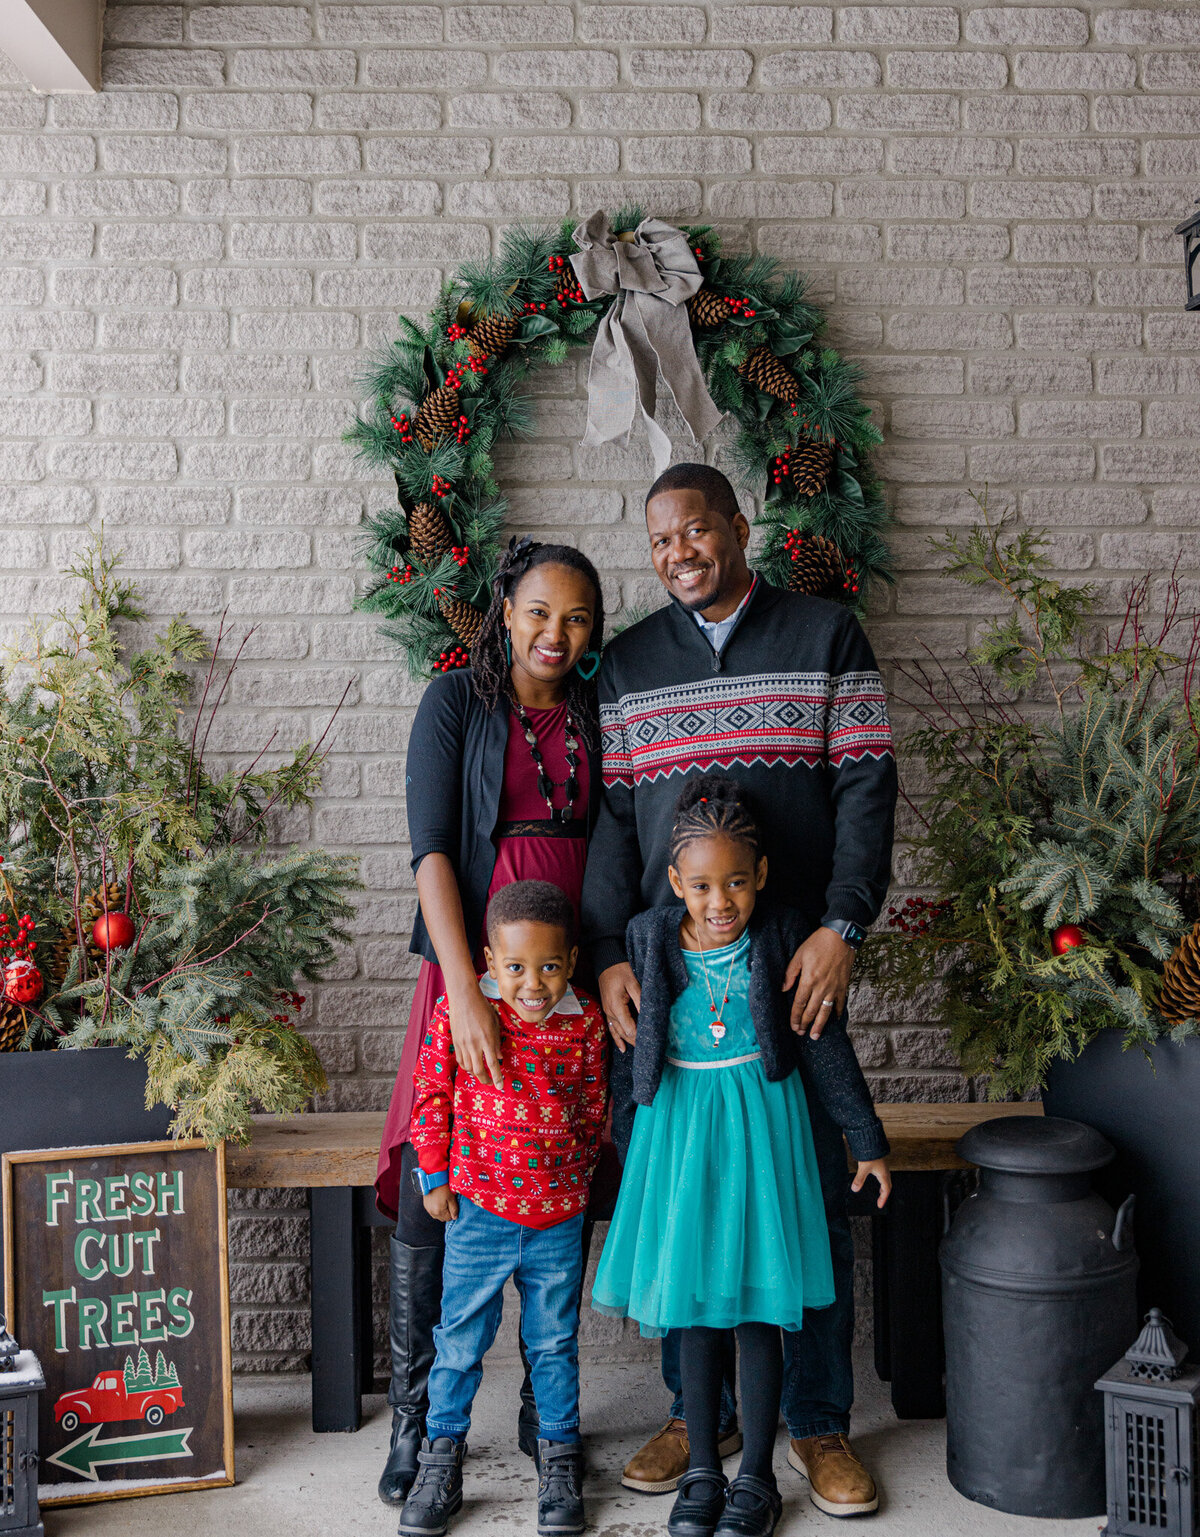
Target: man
784,692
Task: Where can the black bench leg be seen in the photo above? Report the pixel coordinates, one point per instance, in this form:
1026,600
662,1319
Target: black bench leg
914,1296
337,1300
880,1317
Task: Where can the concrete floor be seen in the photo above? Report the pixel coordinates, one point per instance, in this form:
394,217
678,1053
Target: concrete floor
292,1482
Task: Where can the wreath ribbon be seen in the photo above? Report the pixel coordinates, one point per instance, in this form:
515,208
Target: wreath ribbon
646,328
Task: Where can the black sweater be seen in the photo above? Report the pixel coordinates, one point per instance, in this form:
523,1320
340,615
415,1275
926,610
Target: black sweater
454,776
794,708
828,1065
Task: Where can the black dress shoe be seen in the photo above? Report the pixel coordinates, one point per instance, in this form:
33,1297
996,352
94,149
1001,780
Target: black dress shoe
699,1504
752,1509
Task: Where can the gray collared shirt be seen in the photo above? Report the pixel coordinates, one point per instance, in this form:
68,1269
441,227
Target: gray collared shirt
718,631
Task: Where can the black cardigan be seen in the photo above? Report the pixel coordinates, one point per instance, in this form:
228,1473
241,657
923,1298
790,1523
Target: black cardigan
828,1065
453,778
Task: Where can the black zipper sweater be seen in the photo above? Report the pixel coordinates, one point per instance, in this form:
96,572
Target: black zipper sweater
793,707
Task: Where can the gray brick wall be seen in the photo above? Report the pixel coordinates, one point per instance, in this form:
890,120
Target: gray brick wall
197,261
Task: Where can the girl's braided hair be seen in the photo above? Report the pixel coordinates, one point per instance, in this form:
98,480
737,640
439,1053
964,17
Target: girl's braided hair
489,666
713,806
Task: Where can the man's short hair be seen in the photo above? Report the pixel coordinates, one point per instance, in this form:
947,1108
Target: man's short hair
531,902
718,494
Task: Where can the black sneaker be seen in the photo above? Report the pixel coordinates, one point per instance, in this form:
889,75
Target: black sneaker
700,1503
436,1494
752,1509
560,1488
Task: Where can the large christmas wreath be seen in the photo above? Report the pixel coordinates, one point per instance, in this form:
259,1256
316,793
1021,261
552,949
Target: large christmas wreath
446,393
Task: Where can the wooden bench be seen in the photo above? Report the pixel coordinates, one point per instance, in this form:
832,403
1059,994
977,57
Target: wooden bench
333,1156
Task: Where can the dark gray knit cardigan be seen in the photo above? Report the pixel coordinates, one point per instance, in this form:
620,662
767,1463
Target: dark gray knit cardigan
828,1065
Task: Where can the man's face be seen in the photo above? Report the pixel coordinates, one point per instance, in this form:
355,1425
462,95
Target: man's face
700,557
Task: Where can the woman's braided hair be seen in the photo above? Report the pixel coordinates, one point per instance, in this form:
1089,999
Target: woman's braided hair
713,806
489,666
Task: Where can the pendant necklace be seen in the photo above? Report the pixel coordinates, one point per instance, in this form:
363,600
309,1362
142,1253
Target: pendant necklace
717,1026
544,782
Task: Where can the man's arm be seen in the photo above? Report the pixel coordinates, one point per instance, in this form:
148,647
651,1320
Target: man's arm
862,763
613,878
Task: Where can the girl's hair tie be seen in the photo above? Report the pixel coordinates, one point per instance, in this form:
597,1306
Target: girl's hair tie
513,564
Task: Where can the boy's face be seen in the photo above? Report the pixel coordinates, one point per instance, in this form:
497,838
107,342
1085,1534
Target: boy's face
531,964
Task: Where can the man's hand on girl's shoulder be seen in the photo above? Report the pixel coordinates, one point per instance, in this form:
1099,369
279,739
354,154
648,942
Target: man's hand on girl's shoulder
820,973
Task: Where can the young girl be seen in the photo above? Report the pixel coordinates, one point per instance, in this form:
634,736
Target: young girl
720,1223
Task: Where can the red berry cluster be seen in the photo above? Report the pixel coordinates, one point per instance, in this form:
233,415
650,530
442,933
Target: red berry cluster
918,915
531,306
741,307
557,264
403,426
461,553
456,332
699,251
477,366
18,946
440,487
400,574
569,291
457,656
851,582
454,377
780,473
461,430
289,1000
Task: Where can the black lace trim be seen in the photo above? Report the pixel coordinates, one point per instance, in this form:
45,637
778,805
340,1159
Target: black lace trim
544,828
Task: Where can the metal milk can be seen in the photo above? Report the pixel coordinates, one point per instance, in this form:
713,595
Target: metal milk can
1038,1299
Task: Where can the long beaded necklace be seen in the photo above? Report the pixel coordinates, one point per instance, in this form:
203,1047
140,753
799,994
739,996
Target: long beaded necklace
717,1026
544,783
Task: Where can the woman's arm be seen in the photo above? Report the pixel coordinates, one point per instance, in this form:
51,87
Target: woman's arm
474,1027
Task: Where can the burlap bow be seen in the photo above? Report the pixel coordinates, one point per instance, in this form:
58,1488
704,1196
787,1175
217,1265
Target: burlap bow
646,328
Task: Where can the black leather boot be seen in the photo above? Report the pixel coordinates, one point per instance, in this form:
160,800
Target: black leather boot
414,1308
528,1424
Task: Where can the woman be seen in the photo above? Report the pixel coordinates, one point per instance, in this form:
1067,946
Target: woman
503,783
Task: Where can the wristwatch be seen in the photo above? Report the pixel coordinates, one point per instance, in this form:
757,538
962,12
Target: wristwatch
430,1182
852,933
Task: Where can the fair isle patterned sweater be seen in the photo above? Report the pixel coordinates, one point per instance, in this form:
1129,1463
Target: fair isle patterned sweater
526,1151
794,709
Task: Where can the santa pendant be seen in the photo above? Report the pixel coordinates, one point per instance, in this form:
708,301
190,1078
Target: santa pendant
718,1031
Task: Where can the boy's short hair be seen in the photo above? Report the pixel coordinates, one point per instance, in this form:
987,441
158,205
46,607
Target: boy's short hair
531,902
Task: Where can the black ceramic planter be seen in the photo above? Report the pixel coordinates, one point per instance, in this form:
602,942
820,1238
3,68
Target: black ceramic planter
1149,1109
75,1099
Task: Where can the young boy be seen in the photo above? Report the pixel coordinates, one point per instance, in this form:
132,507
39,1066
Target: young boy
509,1171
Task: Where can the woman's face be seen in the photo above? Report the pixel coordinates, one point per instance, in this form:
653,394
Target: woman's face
549,618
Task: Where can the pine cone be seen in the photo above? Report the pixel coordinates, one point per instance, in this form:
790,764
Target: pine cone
490,335
463,618
12,1025
568,289
766,373
438,414
707,309
818,567
807,466
1179,996
429,533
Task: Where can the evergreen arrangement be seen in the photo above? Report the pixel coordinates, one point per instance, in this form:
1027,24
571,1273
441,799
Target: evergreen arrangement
445,393
1060,838
139,903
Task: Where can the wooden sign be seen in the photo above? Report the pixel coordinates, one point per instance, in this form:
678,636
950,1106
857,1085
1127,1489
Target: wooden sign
116,1274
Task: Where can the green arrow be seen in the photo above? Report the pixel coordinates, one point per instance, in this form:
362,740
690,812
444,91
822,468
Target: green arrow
87,1452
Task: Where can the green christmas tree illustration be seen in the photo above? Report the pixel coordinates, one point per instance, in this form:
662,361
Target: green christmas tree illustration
143,1381
130,1374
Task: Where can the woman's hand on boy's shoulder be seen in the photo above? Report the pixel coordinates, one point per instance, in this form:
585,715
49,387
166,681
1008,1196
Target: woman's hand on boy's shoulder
877,1169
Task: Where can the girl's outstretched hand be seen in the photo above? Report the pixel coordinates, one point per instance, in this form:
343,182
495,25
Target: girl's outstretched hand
878,1167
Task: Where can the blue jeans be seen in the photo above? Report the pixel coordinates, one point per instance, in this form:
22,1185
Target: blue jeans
818,1374
482,1252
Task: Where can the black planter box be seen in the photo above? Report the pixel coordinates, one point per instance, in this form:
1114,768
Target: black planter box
75,1099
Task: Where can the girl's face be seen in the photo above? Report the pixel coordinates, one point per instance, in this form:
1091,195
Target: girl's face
549,619
718,880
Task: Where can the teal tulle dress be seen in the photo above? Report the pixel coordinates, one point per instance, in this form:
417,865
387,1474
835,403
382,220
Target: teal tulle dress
720,1219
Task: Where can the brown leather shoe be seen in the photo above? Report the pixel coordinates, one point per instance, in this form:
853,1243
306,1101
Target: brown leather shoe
838,1483
663,1461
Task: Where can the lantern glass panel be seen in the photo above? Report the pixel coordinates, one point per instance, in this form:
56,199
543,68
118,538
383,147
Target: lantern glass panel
1149,1441
8,1462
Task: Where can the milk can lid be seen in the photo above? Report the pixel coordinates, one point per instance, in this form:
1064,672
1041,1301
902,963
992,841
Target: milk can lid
1033,1144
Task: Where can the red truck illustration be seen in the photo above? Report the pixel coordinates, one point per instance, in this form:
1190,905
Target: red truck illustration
109,1399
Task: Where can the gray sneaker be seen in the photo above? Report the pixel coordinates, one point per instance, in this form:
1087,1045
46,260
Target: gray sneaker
436,1494
560,1489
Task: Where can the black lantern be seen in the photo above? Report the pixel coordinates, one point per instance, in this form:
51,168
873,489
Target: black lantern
1150,1399
21,1381
1190,230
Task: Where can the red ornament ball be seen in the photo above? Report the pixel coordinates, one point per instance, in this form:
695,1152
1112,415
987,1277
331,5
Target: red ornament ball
1066,936
22,982
113,931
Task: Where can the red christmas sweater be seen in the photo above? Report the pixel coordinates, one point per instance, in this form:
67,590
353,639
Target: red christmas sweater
527,1151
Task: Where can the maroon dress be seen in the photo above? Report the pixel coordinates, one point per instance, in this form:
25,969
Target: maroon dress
528,847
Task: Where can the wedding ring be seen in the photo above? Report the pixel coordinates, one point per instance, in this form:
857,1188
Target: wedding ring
827,1003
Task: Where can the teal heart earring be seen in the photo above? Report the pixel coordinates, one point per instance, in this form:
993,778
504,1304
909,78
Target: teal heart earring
589,672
